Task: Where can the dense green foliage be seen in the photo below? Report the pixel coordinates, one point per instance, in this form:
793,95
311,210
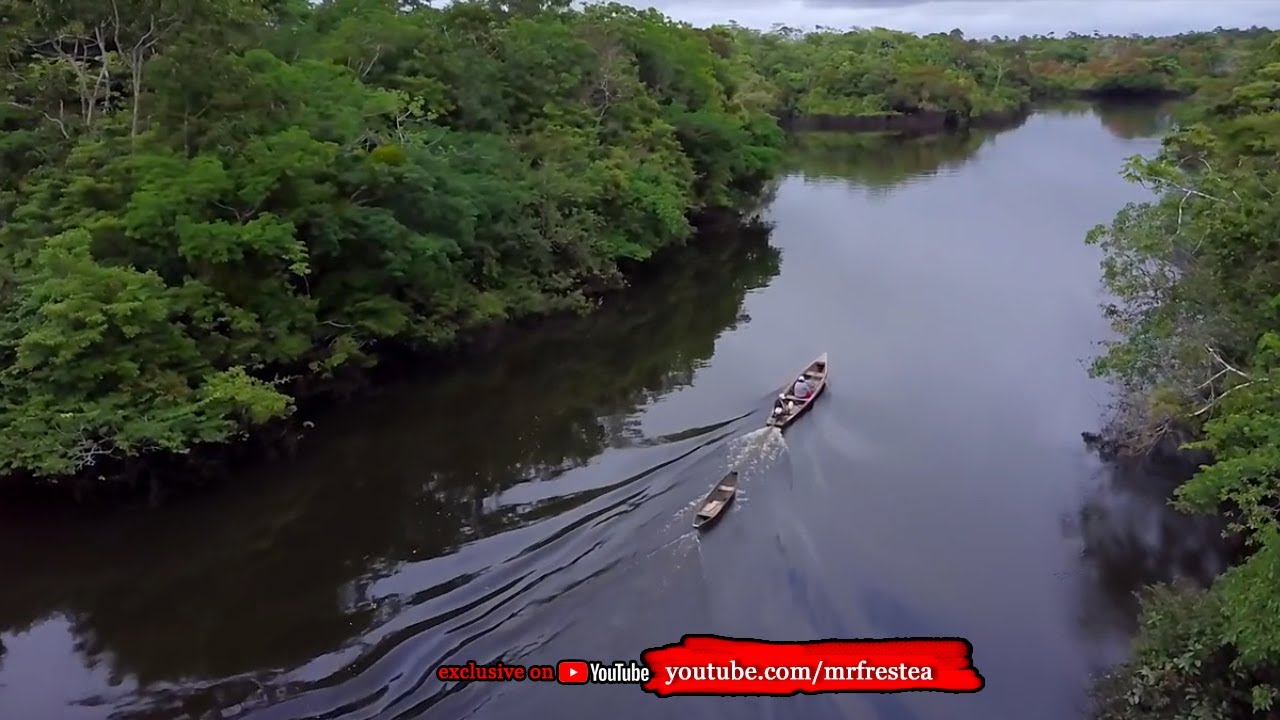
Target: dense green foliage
878,71
210,205
1196,274
873,72
287,555
210,208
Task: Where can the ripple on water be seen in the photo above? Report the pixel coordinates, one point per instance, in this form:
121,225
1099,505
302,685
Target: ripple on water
756,450
512,604
748,454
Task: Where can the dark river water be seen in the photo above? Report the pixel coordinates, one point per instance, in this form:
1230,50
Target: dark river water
536,504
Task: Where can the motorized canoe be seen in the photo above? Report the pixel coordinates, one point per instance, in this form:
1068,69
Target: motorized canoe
792,406
716,501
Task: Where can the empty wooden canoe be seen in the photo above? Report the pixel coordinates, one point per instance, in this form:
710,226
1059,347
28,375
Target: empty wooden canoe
792,406
716,501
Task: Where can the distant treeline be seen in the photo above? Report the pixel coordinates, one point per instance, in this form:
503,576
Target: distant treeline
883,72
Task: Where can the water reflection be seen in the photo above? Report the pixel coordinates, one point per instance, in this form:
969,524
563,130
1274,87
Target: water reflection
1136,120
1124,119
1132,538
881,161
269,573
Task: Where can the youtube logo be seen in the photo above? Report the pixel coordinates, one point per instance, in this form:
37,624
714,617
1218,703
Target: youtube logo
572,672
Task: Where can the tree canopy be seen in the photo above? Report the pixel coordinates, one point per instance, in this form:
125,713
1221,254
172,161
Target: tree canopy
212,208
210,205
1195,276
878,71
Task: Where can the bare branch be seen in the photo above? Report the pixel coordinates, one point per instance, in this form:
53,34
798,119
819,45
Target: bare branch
365,69
62,127
1190,191
104,76
1211,380
1218,399
89,448
1225,364
240,217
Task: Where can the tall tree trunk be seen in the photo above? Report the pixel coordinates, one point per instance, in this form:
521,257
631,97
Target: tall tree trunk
137,92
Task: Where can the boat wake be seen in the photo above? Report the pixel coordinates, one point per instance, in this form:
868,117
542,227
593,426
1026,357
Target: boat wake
756,450
748,455
682,516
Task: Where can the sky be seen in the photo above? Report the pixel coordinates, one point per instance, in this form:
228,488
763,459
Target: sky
982,18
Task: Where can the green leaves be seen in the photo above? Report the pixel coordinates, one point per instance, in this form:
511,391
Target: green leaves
879,72
102,365
1251,602
1194,275
244,199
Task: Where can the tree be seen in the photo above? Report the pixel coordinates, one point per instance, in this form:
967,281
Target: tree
222,206
1198,354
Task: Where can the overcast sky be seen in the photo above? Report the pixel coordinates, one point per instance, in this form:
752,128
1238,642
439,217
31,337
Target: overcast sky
982,18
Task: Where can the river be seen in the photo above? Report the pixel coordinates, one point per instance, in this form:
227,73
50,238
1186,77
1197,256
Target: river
536,503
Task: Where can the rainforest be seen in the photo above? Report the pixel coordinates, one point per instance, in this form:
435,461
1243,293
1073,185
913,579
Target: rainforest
223,221
214,209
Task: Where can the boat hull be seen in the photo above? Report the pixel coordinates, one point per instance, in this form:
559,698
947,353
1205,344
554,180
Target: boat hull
820,370
717,501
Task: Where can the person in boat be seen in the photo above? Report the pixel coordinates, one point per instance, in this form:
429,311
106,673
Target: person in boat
783,406
802,389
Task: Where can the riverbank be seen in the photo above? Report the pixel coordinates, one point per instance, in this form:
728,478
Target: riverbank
906,123
175,283
880,80
1195,361
154,477
931,122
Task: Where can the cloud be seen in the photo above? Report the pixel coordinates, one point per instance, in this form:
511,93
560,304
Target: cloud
982,18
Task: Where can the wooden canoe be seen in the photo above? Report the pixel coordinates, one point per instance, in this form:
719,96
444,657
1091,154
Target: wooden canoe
716,501
816,372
